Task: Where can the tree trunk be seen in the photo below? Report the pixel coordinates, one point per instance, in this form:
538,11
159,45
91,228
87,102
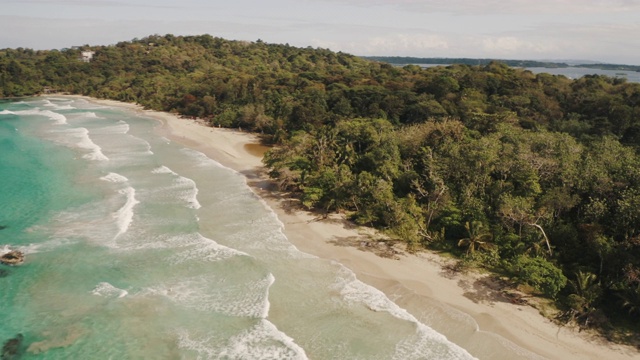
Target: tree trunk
546,239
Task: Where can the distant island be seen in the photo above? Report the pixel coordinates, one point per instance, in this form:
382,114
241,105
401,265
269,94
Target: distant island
404,60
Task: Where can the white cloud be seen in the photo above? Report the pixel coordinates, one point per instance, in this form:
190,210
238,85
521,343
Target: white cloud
396,44
409,41
504,7
512,46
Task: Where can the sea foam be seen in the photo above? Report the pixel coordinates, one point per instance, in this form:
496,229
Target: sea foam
246,298
58,107
58,118
4,250
114,178
203,160
427,343
124,215
186,188
120,127
50,245
197,247
107,290
163,170
35,248
83,141
261,341
92,115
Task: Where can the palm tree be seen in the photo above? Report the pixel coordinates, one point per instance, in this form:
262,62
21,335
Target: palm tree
586,291
631,300
478,239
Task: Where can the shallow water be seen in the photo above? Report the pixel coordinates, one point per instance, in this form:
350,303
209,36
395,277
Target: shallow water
138,247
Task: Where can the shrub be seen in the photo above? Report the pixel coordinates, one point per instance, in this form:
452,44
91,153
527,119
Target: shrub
540,274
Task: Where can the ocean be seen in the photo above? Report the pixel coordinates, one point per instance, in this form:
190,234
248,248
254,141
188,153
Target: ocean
578,72
140,248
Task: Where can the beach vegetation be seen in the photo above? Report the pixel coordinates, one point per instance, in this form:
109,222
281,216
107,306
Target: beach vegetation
540,274
479,238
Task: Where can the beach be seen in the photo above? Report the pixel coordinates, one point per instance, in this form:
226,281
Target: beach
416,282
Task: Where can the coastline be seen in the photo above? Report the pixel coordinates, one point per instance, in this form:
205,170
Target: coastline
414,281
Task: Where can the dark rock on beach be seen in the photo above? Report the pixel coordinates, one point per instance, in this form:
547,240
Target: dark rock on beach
13,257
11,348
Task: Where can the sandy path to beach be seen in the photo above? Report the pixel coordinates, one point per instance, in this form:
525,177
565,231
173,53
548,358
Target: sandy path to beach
412,281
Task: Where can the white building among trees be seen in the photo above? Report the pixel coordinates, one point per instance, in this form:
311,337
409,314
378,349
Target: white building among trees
86,56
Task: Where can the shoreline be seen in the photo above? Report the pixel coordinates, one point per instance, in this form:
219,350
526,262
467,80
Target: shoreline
413,281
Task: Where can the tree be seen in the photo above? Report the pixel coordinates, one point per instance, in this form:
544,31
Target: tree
585,293
519,210
631,300
479,238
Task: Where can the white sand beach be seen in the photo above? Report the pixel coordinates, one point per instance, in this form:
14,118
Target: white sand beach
413,281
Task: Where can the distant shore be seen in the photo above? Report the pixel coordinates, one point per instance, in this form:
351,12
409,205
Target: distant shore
413,281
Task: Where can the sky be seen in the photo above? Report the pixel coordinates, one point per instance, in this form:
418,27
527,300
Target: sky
593,30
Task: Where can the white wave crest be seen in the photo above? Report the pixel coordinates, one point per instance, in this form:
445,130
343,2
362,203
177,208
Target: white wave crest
114,178
185,188
241,299
190,194
426,343
267,305
120,127
107,290
124,215
203,160
123,127
261,341
198,248
90,114
58,118
162,170
36,248
83,141
7,112
4,250
44,246
48,103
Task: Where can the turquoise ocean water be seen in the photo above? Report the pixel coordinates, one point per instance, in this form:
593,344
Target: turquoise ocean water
139,248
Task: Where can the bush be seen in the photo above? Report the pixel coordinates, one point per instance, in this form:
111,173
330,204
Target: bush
540,274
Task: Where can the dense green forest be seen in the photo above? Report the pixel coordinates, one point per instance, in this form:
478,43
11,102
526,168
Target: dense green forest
534,176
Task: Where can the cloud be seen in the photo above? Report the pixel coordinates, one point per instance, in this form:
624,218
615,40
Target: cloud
400,42
511,46
466,7
92,3
46,33
393,44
